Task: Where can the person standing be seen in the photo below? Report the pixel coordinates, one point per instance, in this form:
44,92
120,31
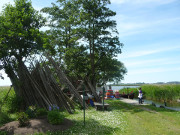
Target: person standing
140,95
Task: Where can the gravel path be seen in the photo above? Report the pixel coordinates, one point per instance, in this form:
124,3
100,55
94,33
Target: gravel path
131,101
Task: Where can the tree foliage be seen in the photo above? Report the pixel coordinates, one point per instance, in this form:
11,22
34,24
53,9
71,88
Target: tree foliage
86,39
82,37
19,36
63,21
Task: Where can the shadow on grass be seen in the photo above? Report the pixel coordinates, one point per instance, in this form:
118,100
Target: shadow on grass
91,127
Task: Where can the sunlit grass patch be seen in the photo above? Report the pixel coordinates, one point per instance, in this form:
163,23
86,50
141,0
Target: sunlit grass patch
97,122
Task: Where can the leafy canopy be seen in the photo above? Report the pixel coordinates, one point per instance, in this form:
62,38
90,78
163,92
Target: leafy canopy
19,30
84,37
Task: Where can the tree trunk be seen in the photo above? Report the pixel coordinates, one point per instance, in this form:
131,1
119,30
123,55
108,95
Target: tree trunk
14,79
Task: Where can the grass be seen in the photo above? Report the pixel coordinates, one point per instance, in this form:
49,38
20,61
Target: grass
150,120
122,119
169,93
162,92
125,119
5,116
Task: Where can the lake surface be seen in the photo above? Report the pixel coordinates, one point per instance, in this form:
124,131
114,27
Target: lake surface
122,87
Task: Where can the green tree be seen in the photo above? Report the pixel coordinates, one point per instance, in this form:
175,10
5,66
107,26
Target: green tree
86,39
63,23
101,38
19,37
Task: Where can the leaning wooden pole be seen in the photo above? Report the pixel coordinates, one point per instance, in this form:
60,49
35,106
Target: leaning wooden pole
93,90
62,77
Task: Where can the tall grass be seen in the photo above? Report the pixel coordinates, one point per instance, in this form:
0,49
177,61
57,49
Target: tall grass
9,106
168,93
3,92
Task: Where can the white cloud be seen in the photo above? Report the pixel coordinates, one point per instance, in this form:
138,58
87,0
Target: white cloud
130,26
159,2
153,50
152,70
143,62
151,63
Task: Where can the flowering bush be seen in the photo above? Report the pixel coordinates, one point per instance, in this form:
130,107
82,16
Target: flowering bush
54,107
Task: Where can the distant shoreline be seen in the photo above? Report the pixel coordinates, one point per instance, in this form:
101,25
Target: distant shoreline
5,86
126,85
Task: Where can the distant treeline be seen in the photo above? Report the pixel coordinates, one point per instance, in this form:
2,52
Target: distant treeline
125,85
168,93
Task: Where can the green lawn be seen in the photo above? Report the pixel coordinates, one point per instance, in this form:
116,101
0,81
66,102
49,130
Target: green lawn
124,119
147,120
120,119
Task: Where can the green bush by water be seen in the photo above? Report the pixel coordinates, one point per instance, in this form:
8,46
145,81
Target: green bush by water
129,90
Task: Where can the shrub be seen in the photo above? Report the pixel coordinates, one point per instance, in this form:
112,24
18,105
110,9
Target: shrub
14,102
55,117
31,111
41,112
4,118
23,119
3,133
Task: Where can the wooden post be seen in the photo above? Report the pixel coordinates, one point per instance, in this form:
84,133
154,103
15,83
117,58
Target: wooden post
84,103
103,97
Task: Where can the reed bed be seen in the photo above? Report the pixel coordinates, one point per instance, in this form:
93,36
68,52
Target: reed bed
169,93
166,92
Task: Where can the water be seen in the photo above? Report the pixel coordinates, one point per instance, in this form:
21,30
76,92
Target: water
158,104
122,87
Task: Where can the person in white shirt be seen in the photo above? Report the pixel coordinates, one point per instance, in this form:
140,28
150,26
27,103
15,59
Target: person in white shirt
140,95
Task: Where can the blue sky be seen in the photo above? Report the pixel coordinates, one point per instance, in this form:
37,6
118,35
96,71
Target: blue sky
150,31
